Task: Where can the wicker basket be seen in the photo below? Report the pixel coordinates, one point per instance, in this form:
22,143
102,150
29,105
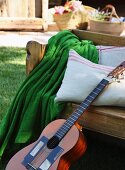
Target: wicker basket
114,28
106,26
77,20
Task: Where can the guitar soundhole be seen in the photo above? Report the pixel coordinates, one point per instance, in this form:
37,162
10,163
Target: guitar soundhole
53,142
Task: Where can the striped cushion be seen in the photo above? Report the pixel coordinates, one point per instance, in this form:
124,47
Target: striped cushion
82,76
111,55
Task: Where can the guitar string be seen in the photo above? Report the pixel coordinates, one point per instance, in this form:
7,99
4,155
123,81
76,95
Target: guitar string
38,156
63,127
96,91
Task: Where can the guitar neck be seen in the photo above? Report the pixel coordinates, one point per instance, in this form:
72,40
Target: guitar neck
80,110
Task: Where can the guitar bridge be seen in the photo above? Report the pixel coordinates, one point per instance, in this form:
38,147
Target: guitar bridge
30,167
40,156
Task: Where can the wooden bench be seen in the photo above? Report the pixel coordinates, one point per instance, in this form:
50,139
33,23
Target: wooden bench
105,120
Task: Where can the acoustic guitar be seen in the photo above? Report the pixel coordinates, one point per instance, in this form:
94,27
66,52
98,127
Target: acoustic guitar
61,142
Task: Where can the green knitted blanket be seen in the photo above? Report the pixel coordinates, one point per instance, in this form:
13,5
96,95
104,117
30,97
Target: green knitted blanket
33,106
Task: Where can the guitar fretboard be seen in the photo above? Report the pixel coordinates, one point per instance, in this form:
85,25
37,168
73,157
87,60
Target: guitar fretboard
79,111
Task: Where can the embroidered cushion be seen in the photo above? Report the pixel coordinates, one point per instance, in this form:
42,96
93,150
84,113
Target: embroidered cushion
82,76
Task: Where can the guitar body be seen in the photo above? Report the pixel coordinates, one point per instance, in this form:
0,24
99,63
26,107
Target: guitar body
61,142
73,144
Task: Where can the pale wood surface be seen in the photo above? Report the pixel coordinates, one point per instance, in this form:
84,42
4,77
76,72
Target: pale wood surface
15,8
45,6
101,39
31,24
18,8
23,8
3,9
17,13
107,120
31,8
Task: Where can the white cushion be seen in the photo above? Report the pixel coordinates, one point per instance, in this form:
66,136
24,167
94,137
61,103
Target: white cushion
111,55
82,76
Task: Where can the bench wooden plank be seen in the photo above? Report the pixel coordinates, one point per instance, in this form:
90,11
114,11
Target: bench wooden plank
106,120
100,39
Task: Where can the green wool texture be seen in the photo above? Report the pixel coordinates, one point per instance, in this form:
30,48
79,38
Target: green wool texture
33,106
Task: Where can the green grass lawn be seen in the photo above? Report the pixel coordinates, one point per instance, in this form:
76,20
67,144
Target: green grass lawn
100,155
12,74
